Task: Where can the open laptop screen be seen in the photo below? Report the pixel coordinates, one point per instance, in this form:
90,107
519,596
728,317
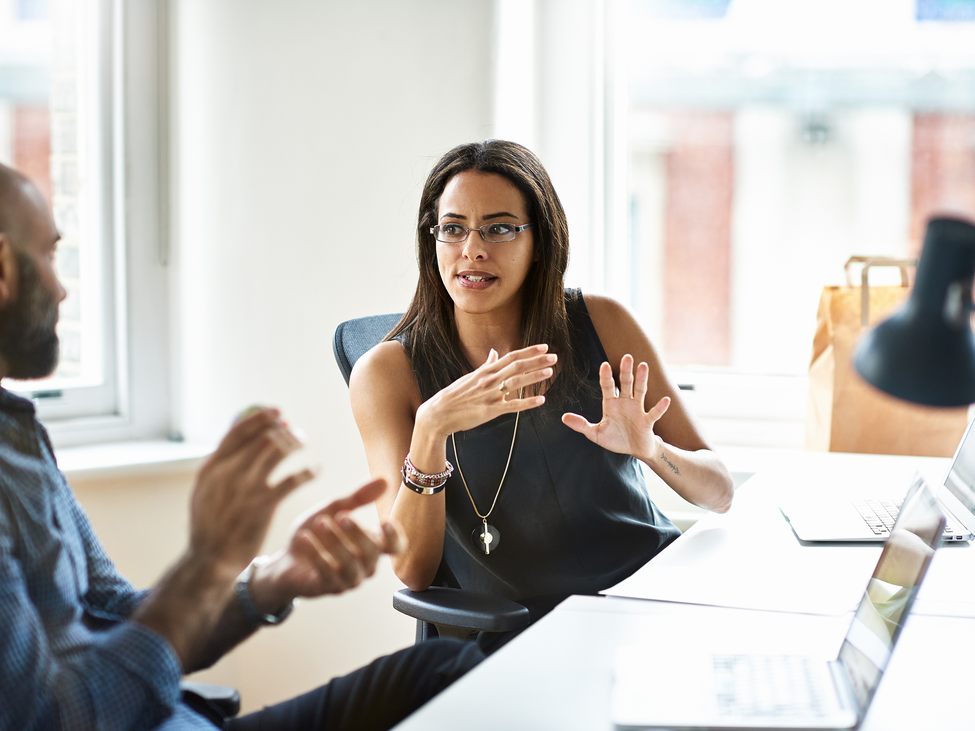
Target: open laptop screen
960,481
905,559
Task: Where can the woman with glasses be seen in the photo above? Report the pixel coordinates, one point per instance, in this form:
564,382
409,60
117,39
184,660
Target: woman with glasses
508,413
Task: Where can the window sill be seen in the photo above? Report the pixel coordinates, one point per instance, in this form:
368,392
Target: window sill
747,410
128,459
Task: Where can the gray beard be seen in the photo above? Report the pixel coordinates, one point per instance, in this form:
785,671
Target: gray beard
28,327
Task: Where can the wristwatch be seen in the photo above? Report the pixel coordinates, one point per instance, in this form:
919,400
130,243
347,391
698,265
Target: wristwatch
242,591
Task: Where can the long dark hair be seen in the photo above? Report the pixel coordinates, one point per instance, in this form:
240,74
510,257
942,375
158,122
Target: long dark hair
428,328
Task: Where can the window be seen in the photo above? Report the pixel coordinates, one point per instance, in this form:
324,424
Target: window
720,160
72,74
766,142
53,115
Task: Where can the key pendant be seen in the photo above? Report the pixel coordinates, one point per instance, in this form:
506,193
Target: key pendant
486,537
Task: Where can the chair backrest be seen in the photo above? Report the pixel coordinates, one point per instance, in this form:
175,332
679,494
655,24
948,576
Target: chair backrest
354,337
451,611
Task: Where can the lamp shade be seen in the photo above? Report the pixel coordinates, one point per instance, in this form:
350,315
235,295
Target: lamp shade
925,352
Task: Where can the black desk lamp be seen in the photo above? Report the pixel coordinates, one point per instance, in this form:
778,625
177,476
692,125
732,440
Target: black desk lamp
925,352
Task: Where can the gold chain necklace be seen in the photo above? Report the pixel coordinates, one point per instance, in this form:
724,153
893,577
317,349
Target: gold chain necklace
488,536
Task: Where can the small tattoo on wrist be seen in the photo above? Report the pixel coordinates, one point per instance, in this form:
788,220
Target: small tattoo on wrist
670,464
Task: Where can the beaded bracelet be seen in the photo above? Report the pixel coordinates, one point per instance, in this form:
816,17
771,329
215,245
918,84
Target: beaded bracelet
421,489
424,480
423,483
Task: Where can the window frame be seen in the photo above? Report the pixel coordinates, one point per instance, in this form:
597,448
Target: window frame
132,158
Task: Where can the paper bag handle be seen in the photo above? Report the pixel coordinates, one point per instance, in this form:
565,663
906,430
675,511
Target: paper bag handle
874,261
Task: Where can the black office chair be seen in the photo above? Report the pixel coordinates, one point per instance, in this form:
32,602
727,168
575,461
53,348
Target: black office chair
438,611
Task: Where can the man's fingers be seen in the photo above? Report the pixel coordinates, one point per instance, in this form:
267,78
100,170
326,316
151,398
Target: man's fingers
248,428
394,541
331,557
275,445
292,483
341,549
368,493
255,445
366,546
324,561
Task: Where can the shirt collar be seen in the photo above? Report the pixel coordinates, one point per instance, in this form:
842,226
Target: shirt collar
11,402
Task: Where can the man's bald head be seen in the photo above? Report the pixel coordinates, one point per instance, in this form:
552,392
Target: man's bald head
18,199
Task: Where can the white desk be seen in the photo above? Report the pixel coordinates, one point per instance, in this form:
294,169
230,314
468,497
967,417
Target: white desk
750,558
558,673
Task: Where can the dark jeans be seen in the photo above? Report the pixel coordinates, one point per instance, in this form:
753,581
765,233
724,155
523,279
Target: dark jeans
374,697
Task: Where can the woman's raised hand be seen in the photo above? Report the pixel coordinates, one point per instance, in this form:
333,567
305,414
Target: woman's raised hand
490,390
626,427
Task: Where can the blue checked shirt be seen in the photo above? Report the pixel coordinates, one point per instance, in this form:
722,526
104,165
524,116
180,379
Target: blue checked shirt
68,658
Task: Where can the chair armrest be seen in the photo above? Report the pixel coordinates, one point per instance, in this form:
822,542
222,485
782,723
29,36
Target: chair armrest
456,608
215,702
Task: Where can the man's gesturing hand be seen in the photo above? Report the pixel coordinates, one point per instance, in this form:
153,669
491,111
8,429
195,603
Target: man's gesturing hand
230,510
232,503
328,553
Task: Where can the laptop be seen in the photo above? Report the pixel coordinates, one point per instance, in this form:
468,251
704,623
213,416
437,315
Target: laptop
869,519
697,691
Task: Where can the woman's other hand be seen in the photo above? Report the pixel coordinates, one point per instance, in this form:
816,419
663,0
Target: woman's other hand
627,427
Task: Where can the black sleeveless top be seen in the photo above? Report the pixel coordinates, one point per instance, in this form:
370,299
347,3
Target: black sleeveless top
573,517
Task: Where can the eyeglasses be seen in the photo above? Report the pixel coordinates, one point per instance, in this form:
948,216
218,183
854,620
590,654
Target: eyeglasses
493,233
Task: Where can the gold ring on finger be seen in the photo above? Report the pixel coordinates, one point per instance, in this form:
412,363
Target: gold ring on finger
503,389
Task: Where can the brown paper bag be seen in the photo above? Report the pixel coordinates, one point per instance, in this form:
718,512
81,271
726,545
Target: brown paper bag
845,413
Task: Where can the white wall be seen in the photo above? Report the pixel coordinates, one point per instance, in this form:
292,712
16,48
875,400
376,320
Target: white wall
302,133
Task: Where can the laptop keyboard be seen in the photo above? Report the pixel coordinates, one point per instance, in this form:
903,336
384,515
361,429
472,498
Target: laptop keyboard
769,685
879,515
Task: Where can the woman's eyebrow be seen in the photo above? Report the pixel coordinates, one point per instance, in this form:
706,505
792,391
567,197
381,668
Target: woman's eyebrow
501,214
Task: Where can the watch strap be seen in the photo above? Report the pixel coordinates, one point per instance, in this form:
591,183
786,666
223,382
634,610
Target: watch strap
242,592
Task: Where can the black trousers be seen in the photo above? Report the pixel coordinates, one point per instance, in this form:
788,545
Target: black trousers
372,698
